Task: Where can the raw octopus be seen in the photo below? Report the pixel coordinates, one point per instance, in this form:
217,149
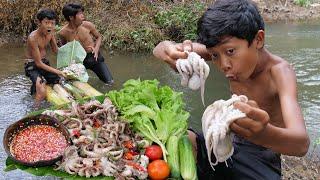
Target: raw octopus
194,72
99,140
215,126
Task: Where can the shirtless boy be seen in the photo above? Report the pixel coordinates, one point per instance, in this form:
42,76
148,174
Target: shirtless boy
79,29
231,34
37,67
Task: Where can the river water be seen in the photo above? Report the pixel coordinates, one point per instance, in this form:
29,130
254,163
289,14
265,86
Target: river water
297,43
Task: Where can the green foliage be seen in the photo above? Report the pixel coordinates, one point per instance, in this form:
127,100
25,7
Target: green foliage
136,25
19,16
303,3
180,22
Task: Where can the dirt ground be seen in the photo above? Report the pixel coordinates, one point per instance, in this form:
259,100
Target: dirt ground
286,10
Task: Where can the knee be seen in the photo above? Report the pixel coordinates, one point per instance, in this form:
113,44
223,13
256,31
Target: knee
40,88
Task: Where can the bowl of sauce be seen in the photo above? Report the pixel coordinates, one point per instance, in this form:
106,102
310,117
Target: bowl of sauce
36,140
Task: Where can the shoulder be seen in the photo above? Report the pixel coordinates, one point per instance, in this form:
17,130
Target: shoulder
63,31
32,38
88,24
280,66
283,73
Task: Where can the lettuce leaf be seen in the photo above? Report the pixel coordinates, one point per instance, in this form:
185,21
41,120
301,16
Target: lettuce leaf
156,112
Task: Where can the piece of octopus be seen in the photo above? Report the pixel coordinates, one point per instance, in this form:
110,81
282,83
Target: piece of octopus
73,165
72,123
123,138
90,171
82,140
137,167
109,169
112,127
116,153
104,137
91,106
98,114
185,70
88,132
76,110
91,167
87,122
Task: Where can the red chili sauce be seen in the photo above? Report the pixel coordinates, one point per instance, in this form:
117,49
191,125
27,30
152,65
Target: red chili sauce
38,143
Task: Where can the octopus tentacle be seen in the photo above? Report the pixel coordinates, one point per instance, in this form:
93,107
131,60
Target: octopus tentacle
215,125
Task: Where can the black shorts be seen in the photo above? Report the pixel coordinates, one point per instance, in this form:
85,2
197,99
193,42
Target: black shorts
33,72
99,67
249,161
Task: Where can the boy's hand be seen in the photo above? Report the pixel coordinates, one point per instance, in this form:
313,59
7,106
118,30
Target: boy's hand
95,52
62,74
169,52
252,125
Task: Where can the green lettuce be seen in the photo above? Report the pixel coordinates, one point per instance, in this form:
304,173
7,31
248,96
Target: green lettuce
155,112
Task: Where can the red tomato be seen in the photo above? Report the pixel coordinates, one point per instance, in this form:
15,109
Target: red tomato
158,170
153,152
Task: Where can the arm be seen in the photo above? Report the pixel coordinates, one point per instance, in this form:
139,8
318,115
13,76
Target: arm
35,52
60,39
291,139
53,44
169,51
98,37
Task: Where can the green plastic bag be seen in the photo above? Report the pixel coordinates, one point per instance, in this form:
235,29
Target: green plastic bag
72,52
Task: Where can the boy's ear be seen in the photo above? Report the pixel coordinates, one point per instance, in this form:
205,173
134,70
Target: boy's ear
37,22
260,39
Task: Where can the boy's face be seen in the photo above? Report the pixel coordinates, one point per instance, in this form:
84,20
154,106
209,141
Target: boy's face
78,19
47,26
235,58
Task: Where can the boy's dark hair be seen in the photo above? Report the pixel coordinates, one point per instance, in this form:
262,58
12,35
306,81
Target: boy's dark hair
238,18
46,13
71,9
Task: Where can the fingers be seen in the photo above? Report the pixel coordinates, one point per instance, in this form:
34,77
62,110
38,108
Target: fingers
252,111
187,45
255,122
250,126
239,130
91,47
95,56
177,52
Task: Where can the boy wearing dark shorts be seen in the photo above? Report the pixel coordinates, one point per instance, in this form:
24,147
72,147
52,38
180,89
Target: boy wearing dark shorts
231,34
84,31
37,67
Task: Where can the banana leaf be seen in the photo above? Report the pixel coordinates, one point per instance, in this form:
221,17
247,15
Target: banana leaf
72,52
48,171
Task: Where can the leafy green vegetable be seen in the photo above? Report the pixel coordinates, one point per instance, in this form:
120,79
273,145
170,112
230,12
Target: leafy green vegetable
155,112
